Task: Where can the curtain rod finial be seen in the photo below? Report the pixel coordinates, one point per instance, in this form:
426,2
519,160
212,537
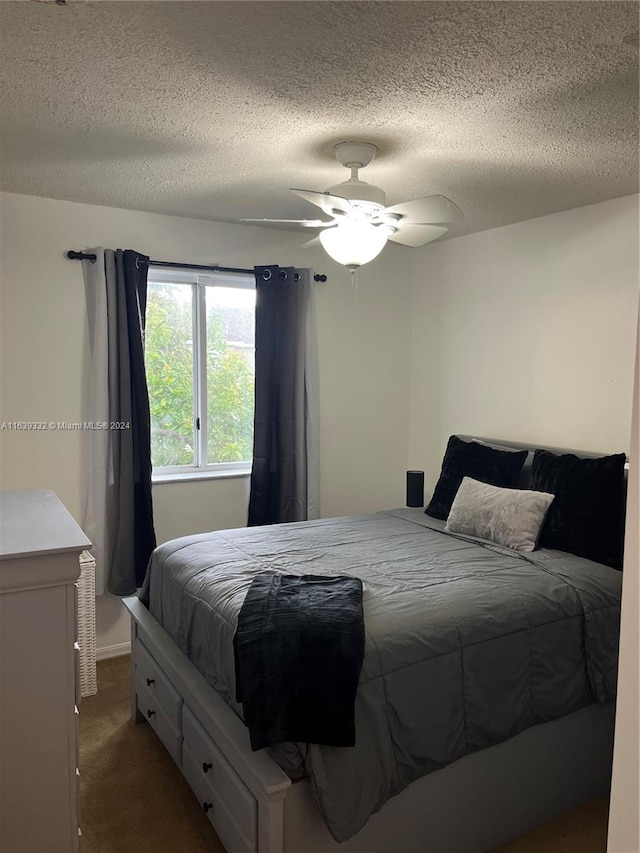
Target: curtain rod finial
80,256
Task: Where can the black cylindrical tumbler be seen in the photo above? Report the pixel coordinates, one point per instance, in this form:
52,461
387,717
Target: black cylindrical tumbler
415,488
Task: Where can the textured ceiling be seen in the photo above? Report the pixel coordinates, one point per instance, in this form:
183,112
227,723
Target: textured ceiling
214,109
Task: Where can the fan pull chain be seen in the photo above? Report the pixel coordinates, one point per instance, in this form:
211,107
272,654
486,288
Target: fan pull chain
354,284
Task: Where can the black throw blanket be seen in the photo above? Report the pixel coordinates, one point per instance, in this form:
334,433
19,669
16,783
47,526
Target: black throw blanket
298,648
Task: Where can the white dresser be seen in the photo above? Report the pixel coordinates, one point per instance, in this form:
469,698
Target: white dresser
40,545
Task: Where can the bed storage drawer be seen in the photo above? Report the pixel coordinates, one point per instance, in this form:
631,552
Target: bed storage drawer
157,684
154,714
229,804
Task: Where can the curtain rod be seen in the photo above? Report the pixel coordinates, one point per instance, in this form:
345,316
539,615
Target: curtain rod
84,256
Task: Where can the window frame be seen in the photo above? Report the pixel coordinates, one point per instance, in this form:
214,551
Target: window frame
202,469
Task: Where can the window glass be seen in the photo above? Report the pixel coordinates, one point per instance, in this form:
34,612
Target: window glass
169,366
230,372
200,364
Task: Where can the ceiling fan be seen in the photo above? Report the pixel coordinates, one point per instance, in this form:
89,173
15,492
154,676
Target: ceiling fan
360,224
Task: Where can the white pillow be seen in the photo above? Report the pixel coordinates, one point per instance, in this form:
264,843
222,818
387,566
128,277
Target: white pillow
510,517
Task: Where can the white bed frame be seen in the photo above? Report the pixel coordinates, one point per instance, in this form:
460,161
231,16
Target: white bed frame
470,806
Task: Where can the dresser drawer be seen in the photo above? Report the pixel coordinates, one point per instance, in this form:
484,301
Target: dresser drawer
154,714
156,682
231,807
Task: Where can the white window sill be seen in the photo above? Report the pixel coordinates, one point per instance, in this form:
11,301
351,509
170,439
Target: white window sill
191,476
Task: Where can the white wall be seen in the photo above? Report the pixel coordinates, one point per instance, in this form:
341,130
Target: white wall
624,817
527,333
363,351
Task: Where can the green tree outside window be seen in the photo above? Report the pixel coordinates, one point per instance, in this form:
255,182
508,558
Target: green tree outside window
169,359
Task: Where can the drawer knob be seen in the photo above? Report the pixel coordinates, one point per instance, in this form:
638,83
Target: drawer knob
150,681
207,806
206,767
151,714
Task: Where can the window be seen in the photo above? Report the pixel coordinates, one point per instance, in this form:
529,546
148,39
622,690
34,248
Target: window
199,357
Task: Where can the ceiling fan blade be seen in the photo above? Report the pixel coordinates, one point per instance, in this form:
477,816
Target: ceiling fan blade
417,235
327,202
315,241
432,208
308,223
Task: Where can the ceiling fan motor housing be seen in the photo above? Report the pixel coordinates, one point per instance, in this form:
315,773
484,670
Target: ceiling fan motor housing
359,191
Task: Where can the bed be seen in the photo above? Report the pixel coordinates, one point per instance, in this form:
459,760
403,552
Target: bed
452,623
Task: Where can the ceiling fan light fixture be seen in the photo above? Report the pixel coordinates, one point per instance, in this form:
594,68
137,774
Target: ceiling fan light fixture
353,243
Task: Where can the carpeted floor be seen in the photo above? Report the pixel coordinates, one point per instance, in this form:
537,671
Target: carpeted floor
134,799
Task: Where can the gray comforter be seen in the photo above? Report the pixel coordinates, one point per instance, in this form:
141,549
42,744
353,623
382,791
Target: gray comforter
467,644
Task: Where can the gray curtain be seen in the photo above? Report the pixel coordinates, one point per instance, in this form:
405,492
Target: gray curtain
134,540
119,517
286,468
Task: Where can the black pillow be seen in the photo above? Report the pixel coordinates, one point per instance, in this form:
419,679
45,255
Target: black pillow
586,517
475,460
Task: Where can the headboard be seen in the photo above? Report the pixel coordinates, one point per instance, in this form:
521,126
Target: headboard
525,475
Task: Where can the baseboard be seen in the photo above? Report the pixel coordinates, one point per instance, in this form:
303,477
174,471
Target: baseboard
113,651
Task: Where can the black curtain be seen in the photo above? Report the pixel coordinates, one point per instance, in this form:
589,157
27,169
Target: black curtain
281,475
130,510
